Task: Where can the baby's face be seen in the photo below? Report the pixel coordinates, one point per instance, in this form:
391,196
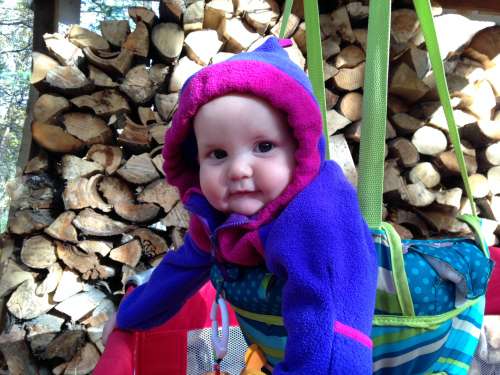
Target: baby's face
245,151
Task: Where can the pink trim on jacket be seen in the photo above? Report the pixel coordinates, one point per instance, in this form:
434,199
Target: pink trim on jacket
353,333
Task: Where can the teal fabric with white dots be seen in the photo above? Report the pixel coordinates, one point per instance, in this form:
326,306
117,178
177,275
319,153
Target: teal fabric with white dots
442,274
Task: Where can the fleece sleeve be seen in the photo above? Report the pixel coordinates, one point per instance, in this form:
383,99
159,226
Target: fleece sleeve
322,248
179,275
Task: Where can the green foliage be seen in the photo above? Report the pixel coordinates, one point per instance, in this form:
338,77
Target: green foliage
95,11
15,63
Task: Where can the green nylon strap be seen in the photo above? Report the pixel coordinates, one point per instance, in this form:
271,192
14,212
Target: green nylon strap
371,152
423,9
315,61
314,55
286,16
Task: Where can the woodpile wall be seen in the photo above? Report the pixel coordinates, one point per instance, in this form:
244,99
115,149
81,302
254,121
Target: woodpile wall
91,207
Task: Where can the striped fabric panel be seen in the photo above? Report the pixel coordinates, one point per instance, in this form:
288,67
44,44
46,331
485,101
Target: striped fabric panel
271,339
449,348
387,300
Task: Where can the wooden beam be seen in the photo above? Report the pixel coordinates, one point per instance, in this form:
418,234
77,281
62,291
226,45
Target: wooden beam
490,6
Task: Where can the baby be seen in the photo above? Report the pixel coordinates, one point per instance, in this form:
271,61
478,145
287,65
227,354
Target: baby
274,225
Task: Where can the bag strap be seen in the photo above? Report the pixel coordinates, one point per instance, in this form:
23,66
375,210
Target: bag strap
374,115
314,55
371,158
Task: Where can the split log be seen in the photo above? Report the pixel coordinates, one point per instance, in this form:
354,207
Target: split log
29,221
178,216
335,121
166,105
485,46
494,180
65,345
412,221
405,83
12,276
182,71
406,124
68,80
429,141
38,252
48,107
393,181
87,128
172,8
74,167
449,200
193,16
291,27
84,361
216,11
448,164
109,157
94,224
137,42
115,31
160,193
82,193
152,244
139,169
137,213
329,71
79,305
82,37
350,79
62,228
417,195
237,35
42,64
479,185
85,263
115,66
479,99
104,103
25,304
397,105
128,254
63,50
158,133
138,85
202,46
95,247
260,14
134,137
38,164
142,14
489,156
405,152
349,57
481,133
330,47
16,353
50,283
425,173
168,39
404,25
339,149
115,190
342,24
351,106
69,285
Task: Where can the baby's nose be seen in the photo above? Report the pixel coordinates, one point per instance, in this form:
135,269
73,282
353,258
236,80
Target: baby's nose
240,168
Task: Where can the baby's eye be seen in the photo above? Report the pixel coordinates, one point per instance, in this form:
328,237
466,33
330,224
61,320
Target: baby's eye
265,146
218,154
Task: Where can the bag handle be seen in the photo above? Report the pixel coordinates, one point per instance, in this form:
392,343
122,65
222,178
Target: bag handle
314,55
371,158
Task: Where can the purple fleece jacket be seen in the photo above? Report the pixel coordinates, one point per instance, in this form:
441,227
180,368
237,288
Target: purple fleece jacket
312,236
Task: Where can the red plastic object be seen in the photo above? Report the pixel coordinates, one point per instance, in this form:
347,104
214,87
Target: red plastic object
161,350
493,291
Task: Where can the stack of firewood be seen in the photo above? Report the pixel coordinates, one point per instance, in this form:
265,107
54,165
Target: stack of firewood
92,207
